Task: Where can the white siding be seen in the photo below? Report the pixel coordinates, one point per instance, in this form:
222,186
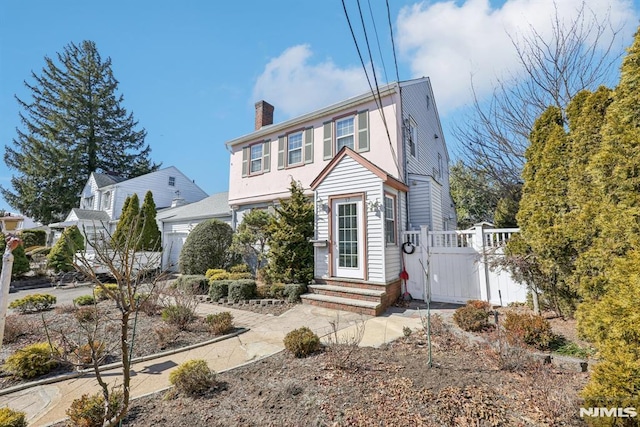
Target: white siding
418,103
350,177
436,207
392,252
419,201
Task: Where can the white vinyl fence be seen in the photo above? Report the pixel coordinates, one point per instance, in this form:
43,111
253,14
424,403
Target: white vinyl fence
452,266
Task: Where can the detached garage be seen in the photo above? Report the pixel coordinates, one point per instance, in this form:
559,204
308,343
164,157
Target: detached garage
177,222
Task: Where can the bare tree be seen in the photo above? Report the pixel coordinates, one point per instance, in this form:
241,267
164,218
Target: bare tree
138,279
579,54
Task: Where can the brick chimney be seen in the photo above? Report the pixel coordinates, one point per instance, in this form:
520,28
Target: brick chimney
264,114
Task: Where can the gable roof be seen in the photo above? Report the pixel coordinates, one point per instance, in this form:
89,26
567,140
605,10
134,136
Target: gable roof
346,151
89,215
216,205
103,179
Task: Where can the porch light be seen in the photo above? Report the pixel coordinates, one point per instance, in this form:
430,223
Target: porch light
374,206
321,205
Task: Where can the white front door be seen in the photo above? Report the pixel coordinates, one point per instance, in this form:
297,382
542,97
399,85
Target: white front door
348,238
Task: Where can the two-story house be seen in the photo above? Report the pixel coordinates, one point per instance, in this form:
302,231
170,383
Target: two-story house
375,165
103,197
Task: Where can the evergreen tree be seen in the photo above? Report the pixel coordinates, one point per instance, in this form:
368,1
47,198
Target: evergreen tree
543,206
73,125
290,252
129,226
474,194
150,239
20,260
206,247
250,240
61,256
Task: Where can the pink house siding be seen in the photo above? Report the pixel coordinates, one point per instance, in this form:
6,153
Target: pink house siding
274,184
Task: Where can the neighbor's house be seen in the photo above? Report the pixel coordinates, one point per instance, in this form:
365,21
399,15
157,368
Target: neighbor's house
177,222
103,196
373,168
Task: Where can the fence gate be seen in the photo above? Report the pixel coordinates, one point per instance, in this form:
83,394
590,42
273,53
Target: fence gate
452,266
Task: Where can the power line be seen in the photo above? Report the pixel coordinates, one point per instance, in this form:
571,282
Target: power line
393,43
375,30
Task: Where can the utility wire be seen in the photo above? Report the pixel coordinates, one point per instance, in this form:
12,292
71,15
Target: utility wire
376,94
393,43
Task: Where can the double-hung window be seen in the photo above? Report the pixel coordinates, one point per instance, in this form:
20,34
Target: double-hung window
389,220
345,133
413,136
172,181
256,158
294,148
350,130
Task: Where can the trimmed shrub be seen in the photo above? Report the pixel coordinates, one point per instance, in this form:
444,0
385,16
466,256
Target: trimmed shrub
178,315
207,246
479,304
31,361
292,291
302,342
101,294
193,377
240,276
60,258
471,318
219,289
277,291
20,260
33,238
84,300
198,284
240,268
223,275
11,418
529,329
220,323
88,410
33,303
240,290
213,271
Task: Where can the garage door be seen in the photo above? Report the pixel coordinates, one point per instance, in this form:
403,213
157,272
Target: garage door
172,248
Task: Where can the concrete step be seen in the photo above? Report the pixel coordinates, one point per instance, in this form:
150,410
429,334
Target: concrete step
347,304
351,283
373,295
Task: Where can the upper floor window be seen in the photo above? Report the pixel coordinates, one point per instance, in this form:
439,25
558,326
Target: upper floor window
413,135
106,200
256,158
87,203
347,131
440,166
294,148
172,181
345,136
389,220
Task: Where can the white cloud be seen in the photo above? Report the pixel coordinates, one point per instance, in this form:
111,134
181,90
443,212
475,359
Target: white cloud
295,86
453,42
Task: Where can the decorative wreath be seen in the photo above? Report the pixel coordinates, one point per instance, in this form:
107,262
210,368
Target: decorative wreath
408,248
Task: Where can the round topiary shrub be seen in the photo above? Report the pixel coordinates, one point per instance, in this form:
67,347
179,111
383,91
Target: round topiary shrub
11,418
529,329
302,342
220,323
207,247
88,410
31,361
84,300
193,377
471,318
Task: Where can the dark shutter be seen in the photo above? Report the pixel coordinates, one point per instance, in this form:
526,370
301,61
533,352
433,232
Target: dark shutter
245,161
281,143
363,131
308,145
266,156
327,152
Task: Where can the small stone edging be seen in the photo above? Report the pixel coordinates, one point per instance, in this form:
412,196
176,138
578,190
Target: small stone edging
114,365
225,301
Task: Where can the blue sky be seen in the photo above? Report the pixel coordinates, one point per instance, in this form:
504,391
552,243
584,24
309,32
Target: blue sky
191,71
